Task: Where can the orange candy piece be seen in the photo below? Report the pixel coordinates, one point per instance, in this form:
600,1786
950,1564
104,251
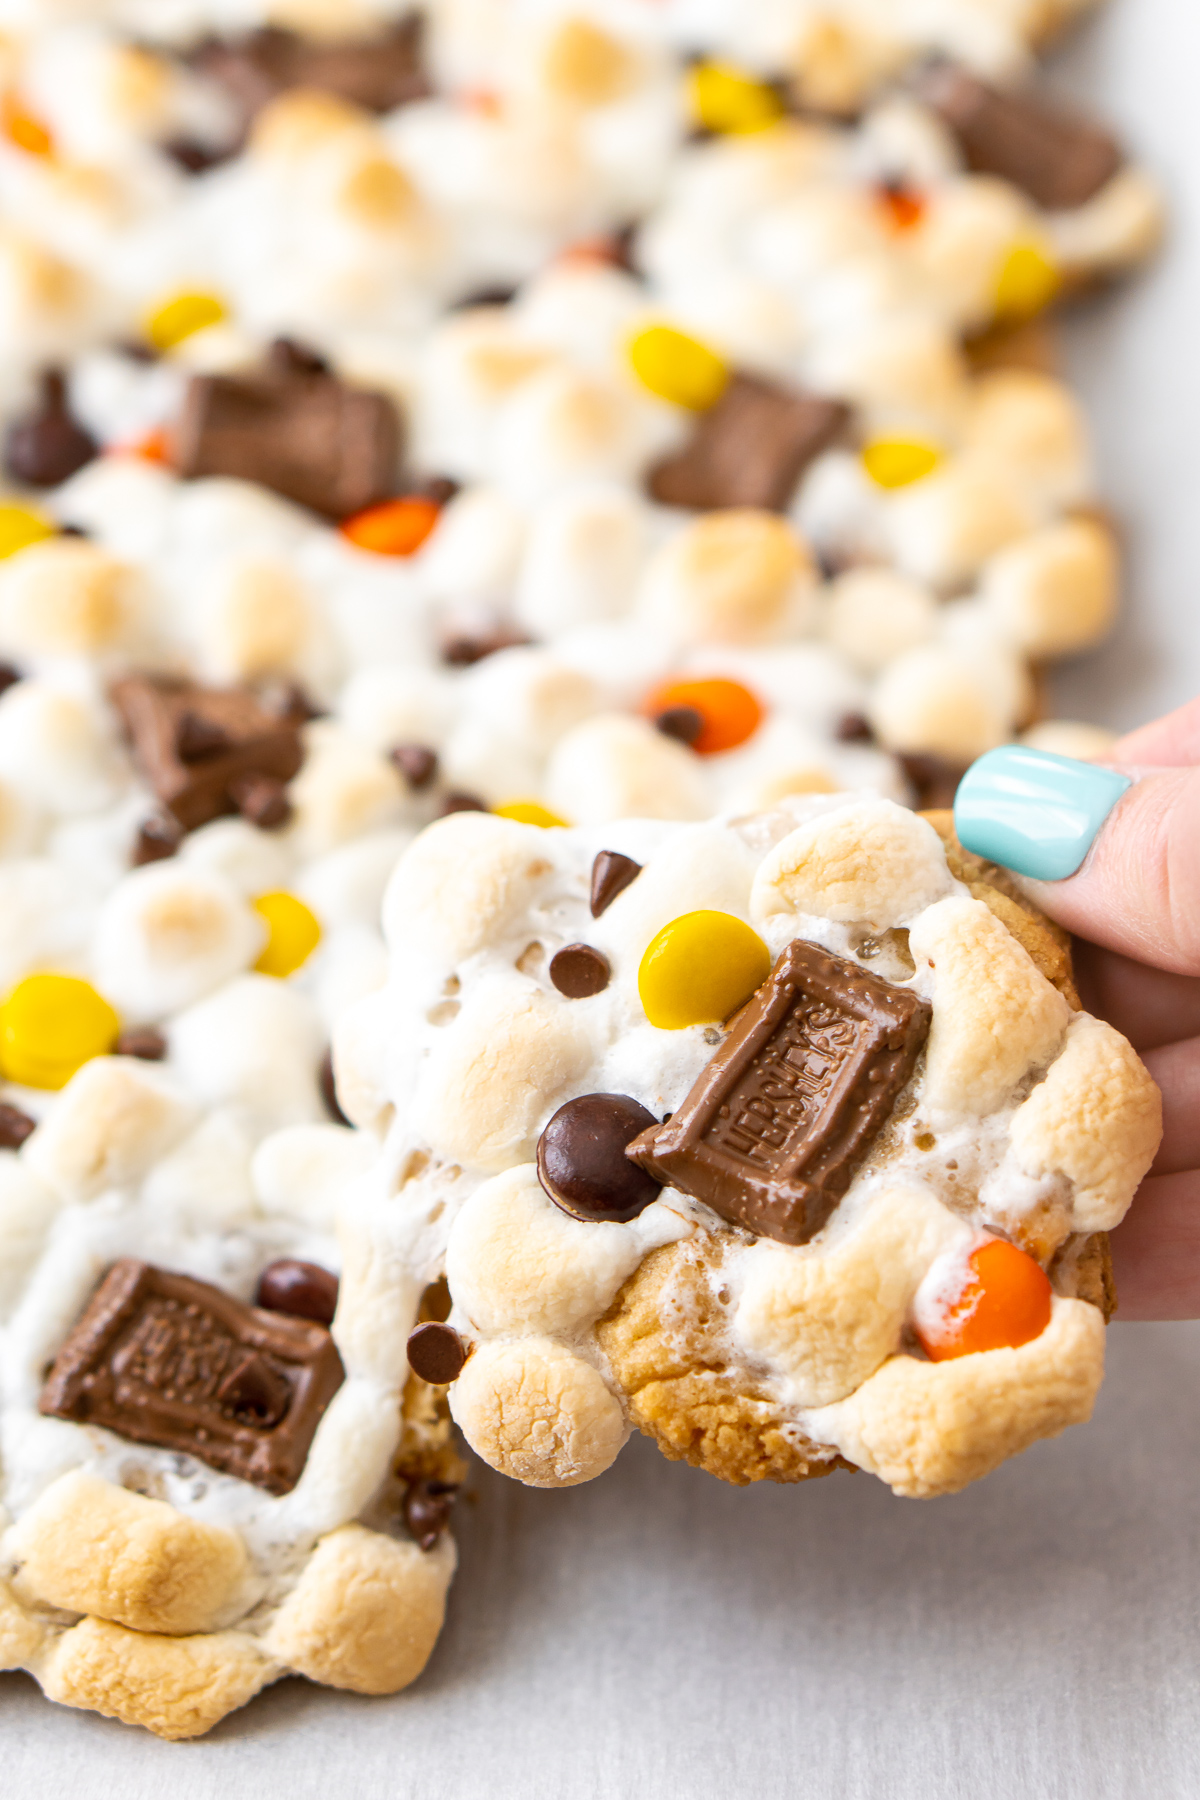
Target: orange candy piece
395,527
1004,1304
24,129
729,712
905,208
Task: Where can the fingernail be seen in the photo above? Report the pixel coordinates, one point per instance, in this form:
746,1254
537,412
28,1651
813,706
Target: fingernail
1035,813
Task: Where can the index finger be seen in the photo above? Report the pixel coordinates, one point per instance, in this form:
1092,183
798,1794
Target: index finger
1148,1006
1170,743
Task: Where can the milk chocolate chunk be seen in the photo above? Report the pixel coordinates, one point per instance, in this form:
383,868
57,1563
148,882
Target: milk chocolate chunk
144,1042
683,723
581,1160
417,763
462,649
158,838
772,1130
294,428
611,875
579,970
436,1353
207,751
47,446
162,1359
750,449
1059,159
378,72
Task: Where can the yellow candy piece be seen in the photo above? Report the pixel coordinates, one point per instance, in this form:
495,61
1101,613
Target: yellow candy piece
21,526
724,99
294,931
528,812
700,969
50,1025
1027,283
181,316
677,367
895,462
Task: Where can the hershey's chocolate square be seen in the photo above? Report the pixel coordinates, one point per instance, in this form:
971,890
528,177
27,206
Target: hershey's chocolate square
750,449
377,73
165,1360
198,746
1057,158
770,1134
295,429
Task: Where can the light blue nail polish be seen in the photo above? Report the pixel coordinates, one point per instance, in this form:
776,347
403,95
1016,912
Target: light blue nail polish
1033,812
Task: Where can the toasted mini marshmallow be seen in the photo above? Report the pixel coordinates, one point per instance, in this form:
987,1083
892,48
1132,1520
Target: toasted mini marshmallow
257,620
619,767
113,1120
905,373
932,699
66,597
565,426
343,789
58,748
474,551
530,693
1119,226
254,1044
738,577
169,934
303,1171
1055,591
944,528
583,556
395,705
47,305
1033,427
960,244
875,615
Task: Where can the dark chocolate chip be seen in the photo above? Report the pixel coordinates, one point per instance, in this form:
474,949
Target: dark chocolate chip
934,777
579,970
193,157
197,737
611,875
288,356
377,72
144,1042
463,649
328,1089
262,800
427,1508
15,1126
416,762
304,1289
496,295
581,1160
683,723
854,728
48,445
436,1353
456,802
74,531
9,677
158,837
256,1392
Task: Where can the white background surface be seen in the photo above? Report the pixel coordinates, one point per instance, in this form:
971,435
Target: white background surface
654,1636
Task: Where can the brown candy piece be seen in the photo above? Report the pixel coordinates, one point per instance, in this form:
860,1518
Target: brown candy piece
458,802
750,449
436,1353
238,755
579,970
611,875
417,763
15,1126
47,446
304,1289
772,1130
144,1042
1059,159
378,72
581,1160
427,1508
9,676
854,728
162,1359
294,428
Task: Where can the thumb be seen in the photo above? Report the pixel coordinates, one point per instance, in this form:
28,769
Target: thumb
1113,854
